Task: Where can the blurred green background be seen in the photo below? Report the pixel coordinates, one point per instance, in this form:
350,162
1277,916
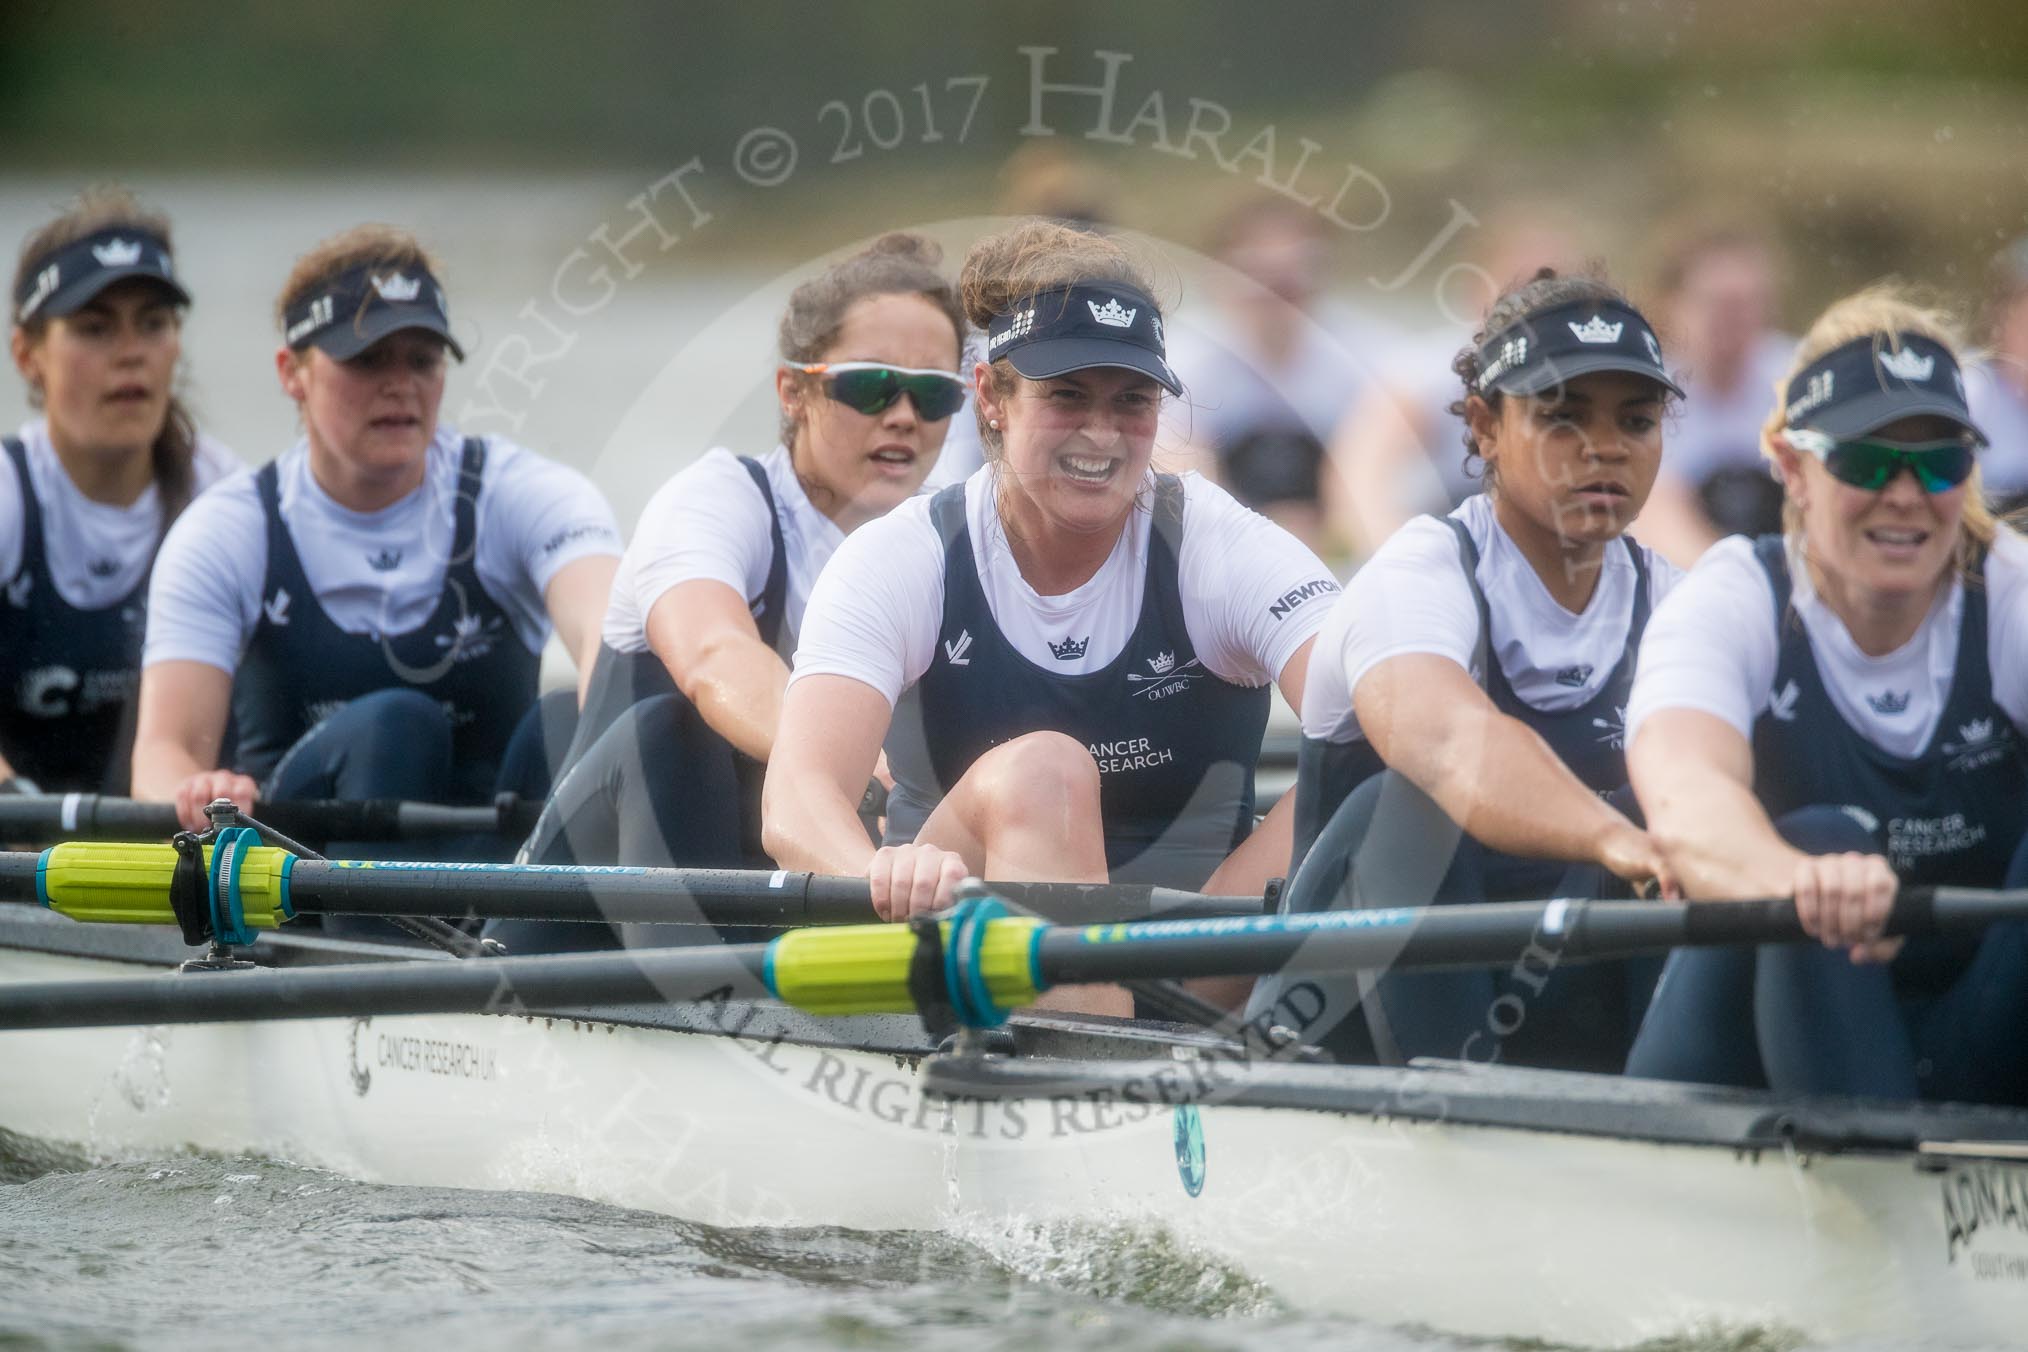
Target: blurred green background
1876,136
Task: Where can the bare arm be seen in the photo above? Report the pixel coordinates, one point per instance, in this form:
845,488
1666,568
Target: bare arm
1693,773
576,601
1265,853
1492,774
706,637
183,710
825,744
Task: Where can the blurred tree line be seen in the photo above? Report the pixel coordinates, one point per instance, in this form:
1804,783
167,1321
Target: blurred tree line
1868,132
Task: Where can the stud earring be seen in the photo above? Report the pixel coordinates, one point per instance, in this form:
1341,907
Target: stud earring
993,423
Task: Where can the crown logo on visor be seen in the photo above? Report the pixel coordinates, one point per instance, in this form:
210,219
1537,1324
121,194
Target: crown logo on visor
117,253
1596,330
1113,314
1908,366
397,287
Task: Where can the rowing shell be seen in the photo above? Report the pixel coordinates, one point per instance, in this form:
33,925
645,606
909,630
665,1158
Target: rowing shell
1477,1201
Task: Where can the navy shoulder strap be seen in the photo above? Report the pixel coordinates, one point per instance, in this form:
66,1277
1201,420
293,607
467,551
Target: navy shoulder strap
775,591
31,509
1772,551
465,528
1637,623
1165,555
1468,559
947,512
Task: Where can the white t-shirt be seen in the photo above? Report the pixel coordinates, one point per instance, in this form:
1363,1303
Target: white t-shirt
1711,429
2001,411
1713,647
97,552
1412,597
1252,594
710,522
534,517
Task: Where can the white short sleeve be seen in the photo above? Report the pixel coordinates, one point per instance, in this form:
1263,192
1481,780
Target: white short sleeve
1410,597
707,523
2007,624
203,600
876,608
1252,593
1712,644
537,517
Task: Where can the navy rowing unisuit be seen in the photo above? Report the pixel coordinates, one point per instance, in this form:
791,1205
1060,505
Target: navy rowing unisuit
1175,744
68,673
300,667
1589,738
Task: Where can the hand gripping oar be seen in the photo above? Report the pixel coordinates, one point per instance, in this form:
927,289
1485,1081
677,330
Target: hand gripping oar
87,816
988,963
268,887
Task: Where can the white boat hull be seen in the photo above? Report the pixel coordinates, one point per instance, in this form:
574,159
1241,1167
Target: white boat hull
1469,1229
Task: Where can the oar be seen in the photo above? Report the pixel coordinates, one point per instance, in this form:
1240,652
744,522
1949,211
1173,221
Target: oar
86,816
988,965
124,883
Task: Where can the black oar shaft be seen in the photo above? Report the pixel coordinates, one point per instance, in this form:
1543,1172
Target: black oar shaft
90,816
496,986
684,896
1537,934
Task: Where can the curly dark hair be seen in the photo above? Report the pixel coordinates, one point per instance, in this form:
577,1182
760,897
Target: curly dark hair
1546,290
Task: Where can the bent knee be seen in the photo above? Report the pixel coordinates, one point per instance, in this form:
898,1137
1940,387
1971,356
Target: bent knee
1040,770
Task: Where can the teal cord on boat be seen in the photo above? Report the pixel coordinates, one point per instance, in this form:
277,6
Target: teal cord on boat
287,907
228,858
42,877
768,968
964,974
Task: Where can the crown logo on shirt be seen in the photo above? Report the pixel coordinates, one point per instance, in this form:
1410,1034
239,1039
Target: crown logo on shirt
386,561
1977,731
1596,330
396,287
103,567
1574,677
117,253
1908,365
1112,314
1070,650
1162,663
1889,702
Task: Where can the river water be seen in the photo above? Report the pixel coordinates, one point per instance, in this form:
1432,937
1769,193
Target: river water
201,1252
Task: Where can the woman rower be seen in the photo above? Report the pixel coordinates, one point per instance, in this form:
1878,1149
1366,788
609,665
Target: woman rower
1073,652
369,607
681,714
1464,710
93,484
1834,712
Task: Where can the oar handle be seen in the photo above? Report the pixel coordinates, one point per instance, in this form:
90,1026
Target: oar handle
119,882
92,816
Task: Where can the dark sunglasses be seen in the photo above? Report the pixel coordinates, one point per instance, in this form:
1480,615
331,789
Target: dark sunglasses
871,387
1872,464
